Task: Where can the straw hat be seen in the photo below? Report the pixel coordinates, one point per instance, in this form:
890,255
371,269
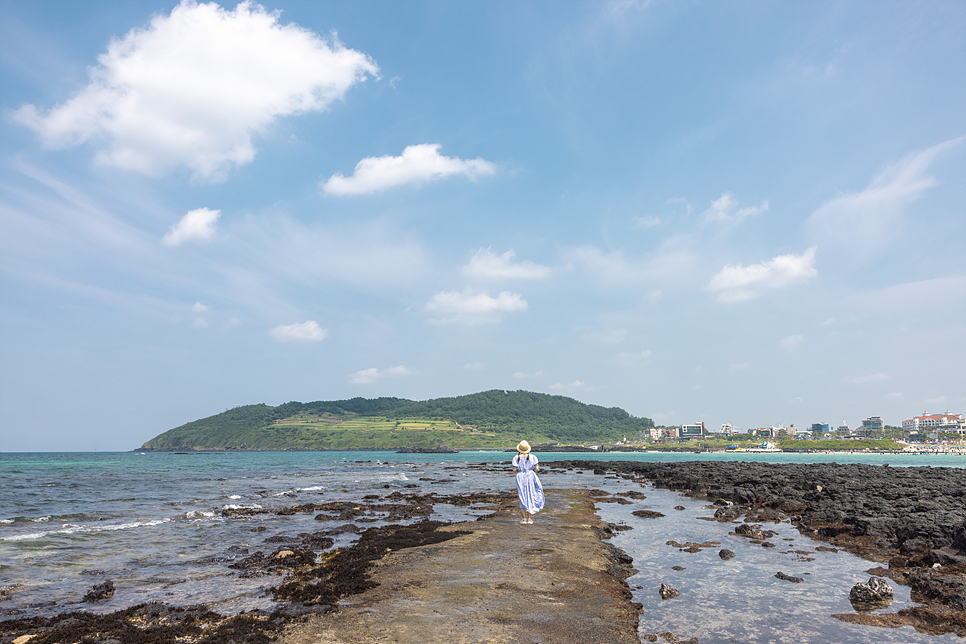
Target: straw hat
523,447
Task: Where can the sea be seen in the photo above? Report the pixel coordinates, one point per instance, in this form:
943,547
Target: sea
154,524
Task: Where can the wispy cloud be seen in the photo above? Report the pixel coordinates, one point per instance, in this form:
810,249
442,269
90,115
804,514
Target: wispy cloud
196,226
535,374
613,336
872,377
368,376
468,307
570,386
474,366
194,86
418,164
631,357
308,331
485,264
725,210
792,342
864,222
738,283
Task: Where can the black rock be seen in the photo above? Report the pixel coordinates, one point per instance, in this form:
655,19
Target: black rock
785,577
667,592
875,594
100,592
726,554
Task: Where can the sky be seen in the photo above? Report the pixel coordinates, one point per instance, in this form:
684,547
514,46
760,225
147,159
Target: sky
729,212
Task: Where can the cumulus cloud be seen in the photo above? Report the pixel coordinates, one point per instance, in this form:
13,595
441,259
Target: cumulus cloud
299,332
474,366
367,376
873,377
200,308
535,374
197,226
474,308
485,264
791,342
725,210
193,87
418,164
864,222
738,282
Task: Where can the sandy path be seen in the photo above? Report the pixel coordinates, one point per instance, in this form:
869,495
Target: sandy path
505,583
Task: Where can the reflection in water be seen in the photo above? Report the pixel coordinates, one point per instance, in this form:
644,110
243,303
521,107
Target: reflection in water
741,600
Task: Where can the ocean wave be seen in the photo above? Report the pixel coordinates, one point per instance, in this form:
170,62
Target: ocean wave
41,520
386,478
234,497
232,506
6,521
74,529
198,514
314,488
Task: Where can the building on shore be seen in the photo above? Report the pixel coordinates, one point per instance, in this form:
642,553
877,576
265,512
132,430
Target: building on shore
948,422
695,430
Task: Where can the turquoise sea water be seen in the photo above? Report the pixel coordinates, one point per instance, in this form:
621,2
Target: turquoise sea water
152,524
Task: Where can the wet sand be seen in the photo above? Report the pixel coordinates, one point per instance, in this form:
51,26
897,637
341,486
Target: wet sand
553,581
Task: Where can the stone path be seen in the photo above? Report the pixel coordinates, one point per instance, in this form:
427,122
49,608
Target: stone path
506,583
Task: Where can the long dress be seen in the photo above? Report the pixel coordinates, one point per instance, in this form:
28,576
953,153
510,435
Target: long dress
529,488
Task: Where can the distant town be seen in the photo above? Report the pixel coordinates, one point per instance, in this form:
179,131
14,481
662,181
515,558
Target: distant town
928,428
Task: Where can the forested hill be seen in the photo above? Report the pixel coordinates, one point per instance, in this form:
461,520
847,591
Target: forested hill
494,418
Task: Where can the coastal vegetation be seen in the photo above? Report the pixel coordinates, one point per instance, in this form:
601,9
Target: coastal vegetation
494,419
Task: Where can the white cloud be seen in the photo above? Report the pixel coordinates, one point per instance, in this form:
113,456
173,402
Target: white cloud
631,357
873,377
299,332
576,384
895,395
485,264
828,322
200,323
474,366
200,308
791,342
647,222
367,376
655,296
418,164
741,366
738,283
797,400
193,87
936,400
197,225
725,210
614,336
535,374
479,308
864,222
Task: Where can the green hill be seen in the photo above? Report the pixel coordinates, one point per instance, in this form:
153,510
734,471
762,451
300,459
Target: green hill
490,419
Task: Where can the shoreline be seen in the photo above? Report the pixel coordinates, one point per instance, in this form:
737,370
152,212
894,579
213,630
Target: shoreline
910,519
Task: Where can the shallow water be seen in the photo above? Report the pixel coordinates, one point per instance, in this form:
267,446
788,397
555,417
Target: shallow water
151,523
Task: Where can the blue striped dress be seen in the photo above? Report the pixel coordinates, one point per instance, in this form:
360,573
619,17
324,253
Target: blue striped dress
529,488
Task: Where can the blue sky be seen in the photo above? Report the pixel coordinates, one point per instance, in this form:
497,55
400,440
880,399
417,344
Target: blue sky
744,212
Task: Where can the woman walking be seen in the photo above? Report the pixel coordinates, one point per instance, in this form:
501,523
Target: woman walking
529,488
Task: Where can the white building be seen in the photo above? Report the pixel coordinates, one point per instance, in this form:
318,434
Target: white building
947,422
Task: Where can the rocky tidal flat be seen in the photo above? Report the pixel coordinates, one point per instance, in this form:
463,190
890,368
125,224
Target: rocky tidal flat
909,520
